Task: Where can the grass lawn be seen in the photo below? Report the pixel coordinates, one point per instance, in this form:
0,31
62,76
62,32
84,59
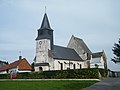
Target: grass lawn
45,84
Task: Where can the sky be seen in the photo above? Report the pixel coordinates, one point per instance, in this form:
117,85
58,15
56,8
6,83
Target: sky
97,22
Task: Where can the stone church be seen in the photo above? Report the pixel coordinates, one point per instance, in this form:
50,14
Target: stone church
53,57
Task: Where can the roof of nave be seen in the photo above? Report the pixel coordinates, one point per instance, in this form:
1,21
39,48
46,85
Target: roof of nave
64,53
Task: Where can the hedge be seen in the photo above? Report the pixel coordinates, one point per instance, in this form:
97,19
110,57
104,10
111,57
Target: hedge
4,76
91,73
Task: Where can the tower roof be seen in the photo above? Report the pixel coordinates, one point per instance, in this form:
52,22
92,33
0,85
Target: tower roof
45,22
45,31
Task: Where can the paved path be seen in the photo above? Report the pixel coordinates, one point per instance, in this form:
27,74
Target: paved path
107,84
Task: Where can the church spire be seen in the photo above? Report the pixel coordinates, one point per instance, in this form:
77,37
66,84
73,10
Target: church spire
45,22
45,31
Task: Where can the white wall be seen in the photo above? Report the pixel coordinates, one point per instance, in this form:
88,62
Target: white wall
42,47
76,45
44,68
13,70
36,69
99,61
3,72
21,71
66,64
51,62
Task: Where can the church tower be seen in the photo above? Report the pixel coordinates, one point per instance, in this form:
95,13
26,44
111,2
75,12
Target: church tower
44,42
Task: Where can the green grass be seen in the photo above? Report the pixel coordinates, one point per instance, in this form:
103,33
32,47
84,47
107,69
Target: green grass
45,84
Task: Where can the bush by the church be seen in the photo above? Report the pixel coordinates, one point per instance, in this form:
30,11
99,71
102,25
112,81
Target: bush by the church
103,72
62,74
78,74
65,74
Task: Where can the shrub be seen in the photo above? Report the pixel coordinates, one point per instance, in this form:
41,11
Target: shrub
103,72
4,76
91,73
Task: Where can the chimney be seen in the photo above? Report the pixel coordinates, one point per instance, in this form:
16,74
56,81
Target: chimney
20,57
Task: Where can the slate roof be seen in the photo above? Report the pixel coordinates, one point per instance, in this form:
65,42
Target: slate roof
41,64
23,65
45,29
97,54
64,53
45,22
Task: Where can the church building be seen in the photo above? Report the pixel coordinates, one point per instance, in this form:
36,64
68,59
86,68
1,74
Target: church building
53,57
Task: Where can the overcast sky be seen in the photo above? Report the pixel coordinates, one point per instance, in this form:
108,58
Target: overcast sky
97,22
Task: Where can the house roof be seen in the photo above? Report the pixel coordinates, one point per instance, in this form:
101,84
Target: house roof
64,53
99,54
22,64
